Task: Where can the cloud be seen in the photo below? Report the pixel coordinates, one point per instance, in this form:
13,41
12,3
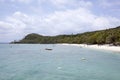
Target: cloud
105,22
13,26
77,21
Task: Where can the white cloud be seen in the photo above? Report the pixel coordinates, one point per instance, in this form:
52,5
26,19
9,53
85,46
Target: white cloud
13,26
105,22
77,21
4,25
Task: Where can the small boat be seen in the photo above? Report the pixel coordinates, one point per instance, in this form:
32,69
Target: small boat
48,49
59,68
83,58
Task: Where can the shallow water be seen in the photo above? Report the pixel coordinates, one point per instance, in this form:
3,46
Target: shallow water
33,62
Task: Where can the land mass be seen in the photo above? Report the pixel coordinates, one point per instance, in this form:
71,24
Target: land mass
108,36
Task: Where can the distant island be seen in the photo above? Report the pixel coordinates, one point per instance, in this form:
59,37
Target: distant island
108,36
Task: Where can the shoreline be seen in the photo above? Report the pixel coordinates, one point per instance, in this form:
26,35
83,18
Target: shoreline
99,47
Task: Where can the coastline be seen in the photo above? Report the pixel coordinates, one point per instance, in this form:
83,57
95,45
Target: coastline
100,47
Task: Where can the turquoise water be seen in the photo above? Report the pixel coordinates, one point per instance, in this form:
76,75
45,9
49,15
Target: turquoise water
33,62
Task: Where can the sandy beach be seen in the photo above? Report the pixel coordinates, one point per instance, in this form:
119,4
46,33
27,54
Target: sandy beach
101,47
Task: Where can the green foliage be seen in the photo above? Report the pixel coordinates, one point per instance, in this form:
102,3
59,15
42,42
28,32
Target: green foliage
109,36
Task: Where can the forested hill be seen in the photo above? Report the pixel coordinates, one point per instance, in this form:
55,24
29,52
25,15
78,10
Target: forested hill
108,36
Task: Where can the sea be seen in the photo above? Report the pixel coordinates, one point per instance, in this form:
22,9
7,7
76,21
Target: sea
58,62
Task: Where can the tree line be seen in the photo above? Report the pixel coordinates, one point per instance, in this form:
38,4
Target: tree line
108,36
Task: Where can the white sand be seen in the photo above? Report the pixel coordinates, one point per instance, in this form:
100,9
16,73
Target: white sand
101,47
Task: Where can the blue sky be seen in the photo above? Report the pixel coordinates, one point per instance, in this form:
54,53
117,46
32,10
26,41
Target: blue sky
53,17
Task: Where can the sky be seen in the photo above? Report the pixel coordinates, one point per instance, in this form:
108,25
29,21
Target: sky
54,17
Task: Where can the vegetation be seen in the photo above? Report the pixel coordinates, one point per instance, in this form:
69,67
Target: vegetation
108,36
